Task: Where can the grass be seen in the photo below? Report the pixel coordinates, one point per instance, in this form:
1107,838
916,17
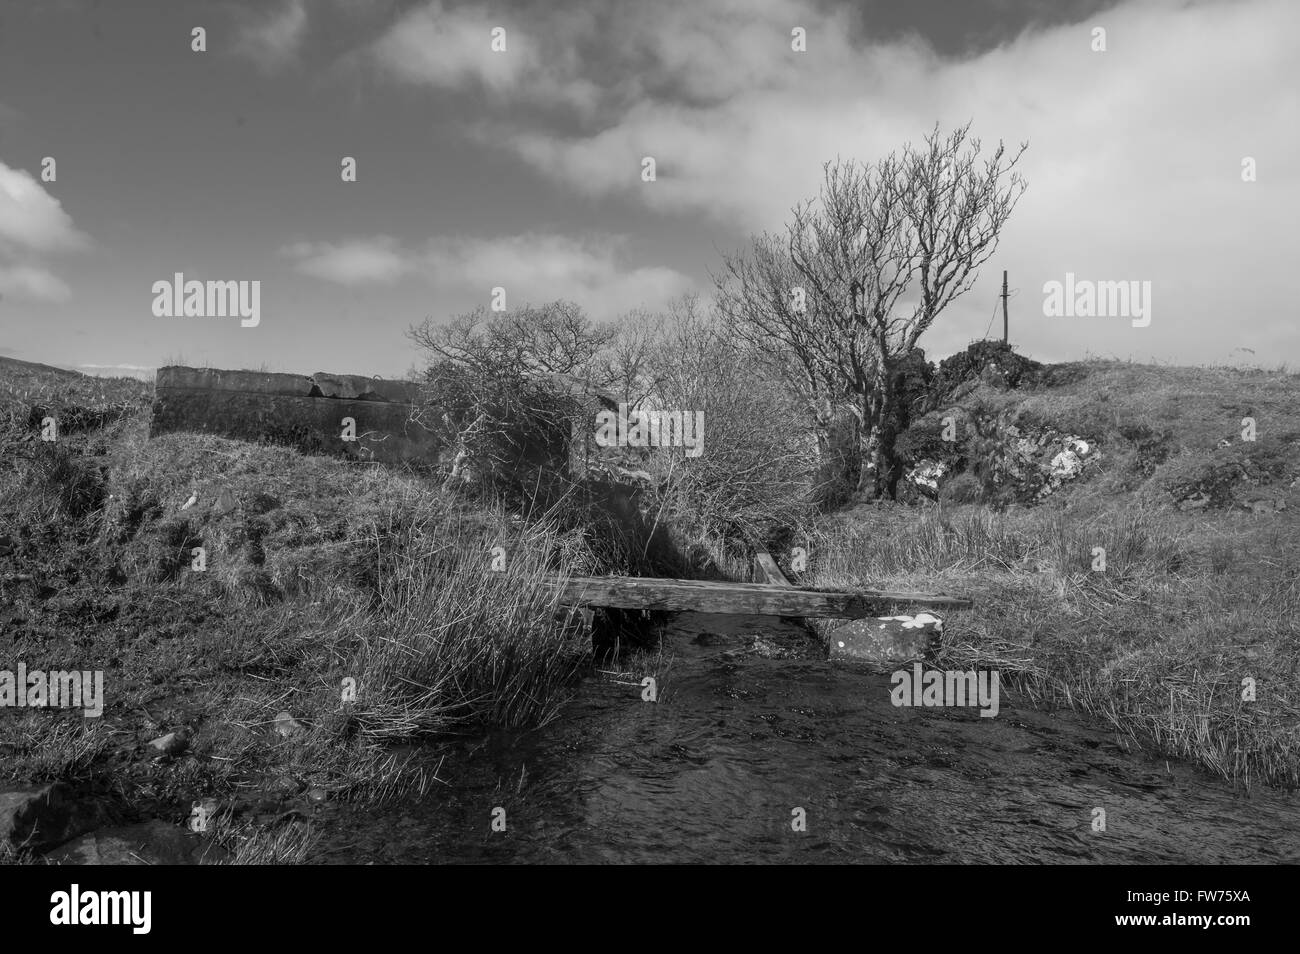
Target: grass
319,571
1190,603
25,383
316,571
250,845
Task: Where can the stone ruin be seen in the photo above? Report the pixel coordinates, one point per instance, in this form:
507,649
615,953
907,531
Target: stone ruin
390,419
307,412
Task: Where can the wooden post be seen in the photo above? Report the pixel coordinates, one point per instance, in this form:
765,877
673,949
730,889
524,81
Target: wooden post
1004,306
766,570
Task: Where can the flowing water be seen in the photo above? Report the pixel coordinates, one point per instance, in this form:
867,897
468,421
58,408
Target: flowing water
753,724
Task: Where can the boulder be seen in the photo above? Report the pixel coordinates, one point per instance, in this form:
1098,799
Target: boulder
45,815
170,745
287,726
927,475
885,639
151,843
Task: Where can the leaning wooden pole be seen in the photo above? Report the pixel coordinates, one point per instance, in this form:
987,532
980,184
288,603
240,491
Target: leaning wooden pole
766,570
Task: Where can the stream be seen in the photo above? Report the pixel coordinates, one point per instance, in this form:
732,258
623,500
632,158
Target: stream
752,723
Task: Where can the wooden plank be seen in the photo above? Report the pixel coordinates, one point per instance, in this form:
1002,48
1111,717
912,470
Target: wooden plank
767,571
709,596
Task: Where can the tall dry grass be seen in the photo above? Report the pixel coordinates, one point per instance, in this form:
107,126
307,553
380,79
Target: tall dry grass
316,570
1158,643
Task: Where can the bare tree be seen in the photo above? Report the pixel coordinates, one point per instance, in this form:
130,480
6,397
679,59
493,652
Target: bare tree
504,390
865,270
556,337
626,366
762,297
754,477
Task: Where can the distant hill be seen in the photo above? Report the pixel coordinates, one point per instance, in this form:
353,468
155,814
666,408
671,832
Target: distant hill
25,383
14,369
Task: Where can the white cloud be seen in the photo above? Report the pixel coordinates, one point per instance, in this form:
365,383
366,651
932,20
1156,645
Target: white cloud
32,283
743,128
441,47
30,218
1133,167
353,262
597,271
274,40
32,224
451,48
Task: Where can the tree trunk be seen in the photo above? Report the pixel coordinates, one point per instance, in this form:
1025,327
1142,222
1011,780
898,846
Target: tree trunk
868,443
879,467
838,462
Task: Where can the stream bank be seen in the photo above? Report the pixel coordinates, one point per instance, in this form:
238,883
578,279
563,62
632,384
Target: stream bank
752,723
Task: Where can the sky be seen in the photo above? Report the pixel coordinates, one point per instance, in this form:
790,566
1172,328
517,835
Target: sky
522,168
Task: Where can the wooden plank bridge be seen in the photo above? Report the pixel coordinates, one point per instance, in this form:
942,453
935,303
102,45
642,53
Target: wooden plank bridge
776,597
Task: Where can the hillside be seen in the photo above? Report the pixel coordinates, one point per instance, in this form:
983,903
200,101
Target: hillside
1166,435
24,384
15,370
226,590
1130,552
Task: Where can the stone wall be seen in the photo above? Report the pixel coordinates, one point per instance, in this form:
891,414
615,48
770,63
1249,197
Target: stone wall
302,411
